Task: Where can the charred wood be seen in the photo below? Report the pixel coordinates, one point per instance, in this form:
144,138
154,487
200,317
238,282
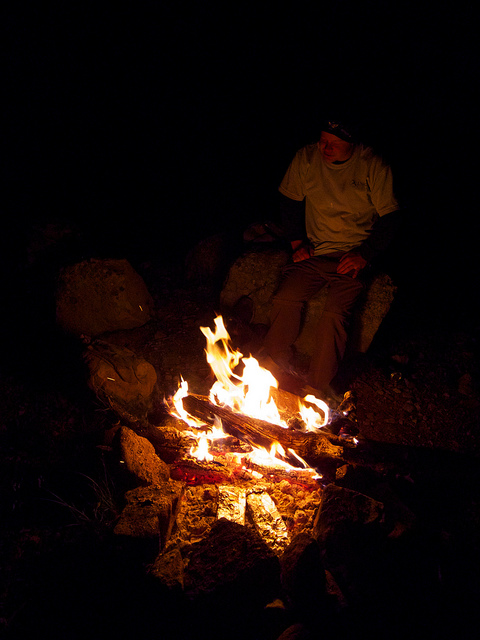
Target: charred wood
194,472
312,447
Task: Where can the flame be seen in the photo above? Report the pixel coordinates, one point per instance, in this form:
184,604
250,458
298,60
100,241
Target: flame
310,417
273,458
201,450
249,394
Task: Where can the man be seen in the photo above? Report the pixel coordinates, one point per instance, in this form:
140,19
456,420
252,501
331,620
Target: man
350,213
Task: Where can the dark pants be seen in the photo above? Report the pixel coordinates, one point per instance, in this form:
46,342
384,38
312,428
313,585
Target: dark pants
301,281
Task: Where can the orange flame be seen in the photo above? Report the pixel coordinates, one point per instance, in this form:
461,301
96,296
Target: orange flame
248,394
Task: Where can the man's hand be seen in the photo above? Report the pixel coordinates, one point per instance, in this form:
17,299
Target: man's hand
351,264
301,251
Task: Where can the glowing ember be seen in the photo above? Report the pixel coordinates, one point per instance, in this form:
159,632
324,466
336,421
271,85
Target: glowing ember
249,394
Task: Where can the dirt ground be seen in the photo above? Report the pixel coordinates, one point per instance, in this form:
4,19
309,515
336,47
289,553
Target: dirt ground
418,399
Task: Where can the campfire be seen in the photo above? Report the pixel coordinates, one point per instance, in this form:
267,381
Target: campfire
257,444
249,505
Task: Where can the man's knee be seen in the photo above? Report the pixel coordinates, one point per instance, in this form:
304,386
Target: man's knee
343,301
335,317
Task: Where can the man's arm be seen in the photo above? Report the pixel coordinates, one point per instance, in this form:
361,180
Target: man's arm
380,237
292,215
292,218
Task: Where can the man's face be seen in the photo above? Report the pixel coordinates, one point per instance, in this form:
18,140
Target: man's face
334,149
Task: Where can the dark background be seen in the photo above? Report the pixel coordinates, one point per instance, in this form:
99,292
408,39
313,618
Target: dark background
154,124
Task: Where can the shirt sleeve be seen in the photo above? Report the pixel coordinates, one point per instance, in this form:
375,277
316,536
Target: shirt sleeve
381,189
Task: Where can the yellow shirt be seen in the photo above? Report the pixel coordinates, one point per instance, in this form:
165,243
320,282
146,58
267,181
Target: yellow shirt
342,201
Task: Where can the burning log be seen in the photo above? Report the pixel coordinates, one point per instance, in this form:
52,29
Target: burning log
277,473
192,471
314,448
235,468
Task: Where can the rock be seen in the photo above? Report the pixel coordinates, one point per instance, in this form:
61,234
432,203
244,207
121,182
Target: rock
196,515
140,458
398,519
257,274
348,528
150,511
267,520
120,378
208,262
297,631
371,309
168,569
233,566
98,296
303,574
343,512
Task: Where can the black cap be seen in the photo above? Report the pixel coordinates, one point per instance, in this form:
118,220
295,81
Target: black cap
338,129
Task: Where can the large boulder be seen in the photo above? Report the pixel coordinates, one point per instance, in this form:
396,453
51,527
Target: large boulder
120,378
255,274
99,296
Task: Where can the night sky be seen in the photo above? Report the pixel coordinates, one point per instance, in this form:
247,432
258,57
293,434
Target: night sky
171,123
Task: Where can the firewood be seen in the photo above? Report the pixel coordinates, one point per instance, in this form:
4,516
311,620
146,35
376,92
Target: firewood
193,472
312,447
295,476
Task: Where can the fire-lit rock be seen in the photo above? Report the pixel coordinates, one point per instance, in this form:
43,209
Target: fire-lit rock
398,518
168,569
150,511
208,260
120,378
267,520
255,274
349,530
232,501
343,512
196,515
296,504
97,296
233,564
140,459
